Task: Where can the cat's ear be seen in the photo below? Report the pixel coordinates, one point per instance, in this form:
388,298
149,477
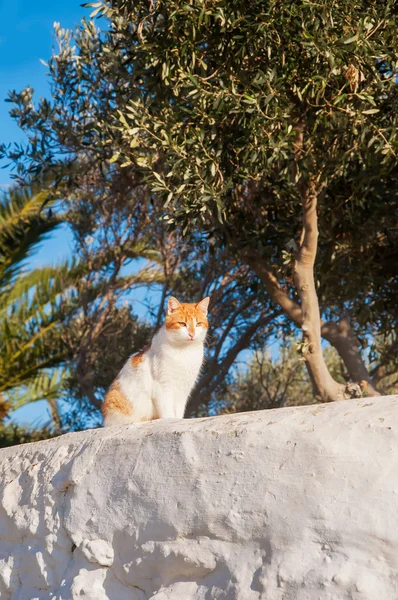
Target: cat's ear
172,305
203,305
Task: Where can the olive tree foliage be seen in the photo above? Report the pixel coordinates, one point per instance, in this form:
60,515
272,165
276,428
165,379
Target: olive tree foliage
233,124
270,121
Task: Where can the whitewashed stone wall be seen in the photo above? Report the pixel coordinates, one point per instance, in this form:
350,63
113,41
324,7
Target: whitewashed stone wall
290,504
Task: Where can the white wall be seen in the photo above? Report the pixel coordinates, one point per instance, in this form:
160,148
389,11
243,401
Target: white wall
289,504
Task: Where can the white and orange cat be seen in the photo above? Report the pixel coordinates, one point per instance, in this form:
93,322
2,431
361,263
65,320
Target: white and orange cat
156,382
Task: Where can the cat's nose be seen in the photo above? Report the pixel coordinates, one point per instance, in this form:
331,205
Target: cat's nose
191,335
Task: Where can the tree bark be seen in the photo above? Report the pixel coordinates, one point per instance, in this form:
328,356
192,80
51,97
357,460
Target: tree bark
343,338
325,387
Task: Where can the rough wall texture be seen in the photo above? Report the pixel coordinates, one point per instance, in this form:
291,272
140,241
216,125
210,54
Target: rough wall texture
290,504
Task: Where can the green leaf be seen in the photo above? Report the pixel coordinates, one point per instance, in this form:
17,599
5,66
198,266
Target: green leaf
158,177
348,40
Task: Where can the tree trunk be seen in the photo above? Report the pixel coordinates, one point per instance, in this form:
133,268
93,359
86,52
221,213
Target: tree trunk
325,387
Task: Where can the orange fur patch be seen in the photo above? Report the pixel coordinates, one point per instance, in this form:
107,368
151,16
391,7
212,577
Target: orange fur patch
137,358
189,314
116,401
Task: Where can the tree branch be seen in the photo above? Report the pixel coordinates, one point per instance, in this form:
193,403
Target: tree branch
273,287
342,337
216,371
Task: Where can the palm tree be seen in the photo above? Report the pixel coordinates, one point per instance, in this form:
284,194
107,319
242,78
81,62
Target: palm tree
31,306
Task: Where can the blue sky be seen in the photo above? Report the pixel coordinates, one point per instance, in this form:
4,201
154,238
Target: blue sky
26,36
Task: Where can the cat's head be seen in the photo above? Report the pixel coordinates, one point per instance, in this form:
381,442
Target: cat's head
186,323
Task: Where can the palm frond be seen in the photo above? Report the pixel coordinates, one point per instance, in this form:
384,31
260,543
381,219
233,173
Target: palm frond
38,287
26,218
33,304
46,385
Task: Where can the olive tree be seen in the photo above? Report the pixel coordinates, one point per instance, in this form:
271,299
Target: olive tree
273,124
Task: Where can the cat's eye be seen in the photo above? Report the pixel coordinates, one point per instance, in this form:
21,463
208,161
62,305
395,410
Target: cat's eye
181,323
200,324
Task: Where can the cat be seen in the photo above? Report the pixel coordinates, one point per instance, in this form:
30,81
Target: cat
155,383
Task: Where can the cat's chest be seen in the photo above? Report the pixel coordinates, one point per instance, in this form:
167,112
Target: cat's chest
180,366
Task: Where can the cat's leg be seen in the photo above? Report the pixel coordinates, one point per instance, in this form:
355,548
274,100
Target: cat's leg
163,402
179,407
